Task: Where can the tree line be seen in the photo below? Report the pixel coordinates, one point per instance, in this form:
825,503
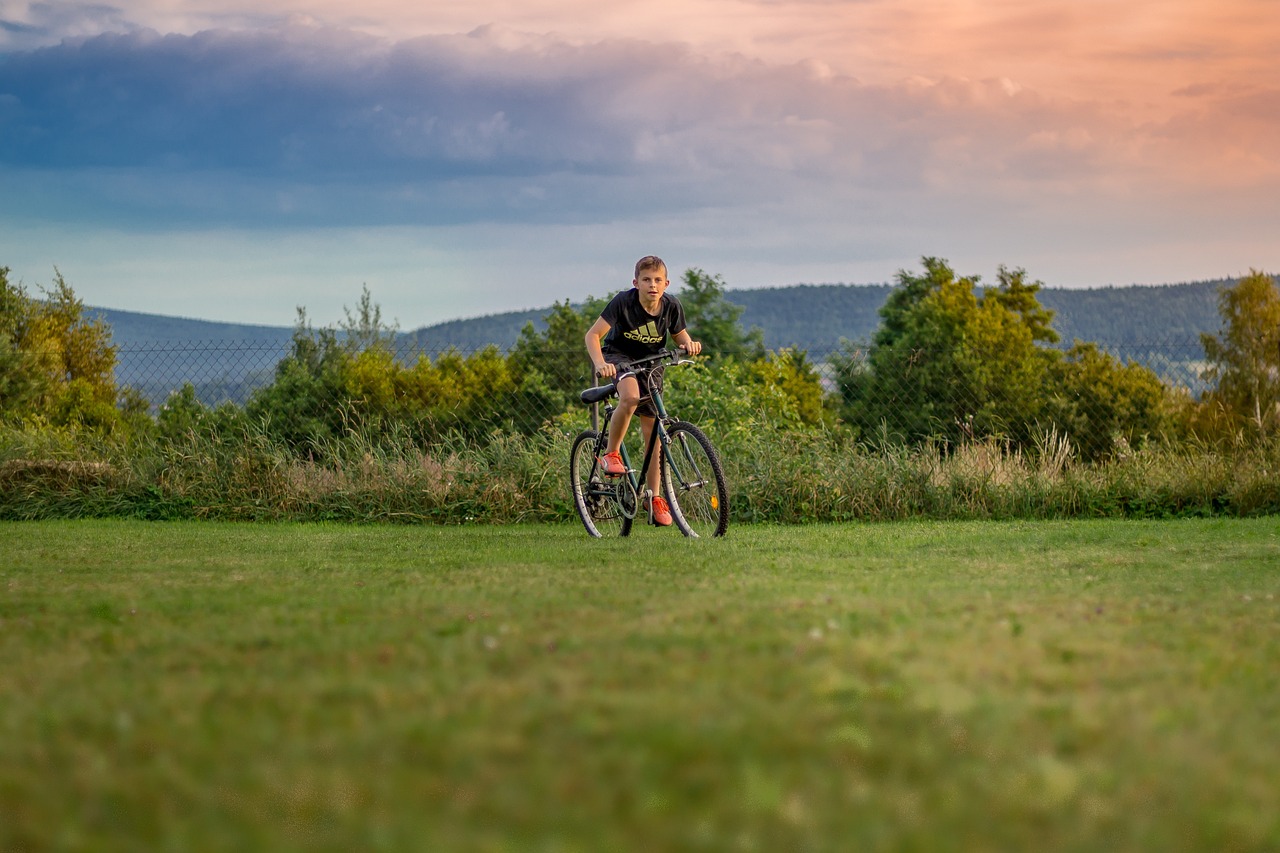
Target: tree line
952,360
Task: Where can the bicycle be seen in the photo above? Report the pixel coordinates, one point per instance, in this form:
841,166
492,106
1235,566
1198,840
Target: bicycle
691,475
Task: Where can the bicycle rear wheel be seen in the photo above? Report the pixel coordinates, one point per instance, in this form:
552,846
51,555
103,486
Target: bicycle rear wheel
598,499
694,482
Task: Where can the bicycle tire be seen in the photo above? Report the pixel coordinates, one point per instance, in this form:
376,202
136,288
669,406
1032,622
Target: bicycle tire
693,479
594,495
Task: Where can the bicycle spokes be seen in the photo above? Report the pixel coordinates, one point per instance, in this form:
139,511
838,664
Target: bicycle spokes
691,477
695,483
602,502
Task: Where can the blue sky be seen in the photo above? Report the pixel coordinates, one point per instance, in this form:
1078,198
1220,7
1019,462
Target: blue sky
235,161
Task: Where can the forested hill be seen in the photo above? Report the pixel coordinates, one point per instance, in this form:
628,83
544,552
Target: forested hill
807,316
135,330
812,317
1146,314
816,317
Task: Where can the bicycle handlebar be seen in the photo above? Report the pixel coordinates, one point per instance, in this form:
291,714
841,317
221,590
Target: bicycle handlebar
602,392
672,355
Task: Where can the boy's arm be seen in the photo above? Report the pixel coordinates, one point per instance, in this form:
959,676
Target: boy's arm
595,334
682,339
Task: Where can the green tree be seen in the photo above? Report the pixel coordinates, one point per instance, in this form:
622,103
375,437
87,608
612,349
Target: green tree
469,394
337,381
21,383
1245,357
182,417
1103,406
790,374
713,319
951,360
363,328
307,399
55,362
1021,298
556,353
550,365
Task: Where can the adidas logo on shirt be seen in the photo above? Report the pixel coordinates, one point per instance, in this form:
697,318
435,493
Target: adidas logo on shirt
646,334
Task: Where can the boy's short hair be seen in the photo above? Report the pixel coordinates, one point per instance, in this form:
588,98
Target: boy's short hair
649,262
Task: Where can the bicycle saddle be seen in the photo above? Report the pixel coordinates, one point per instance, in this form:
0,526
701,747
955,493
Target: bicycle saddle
600,392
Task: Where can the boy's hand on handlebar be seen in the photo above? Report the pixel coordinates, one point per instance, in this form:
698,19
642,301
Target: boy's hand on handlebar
692,347
607,370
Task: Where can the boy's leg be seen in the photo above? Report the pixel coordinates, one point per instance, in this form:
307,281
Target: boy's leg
654,476
620,421
659,512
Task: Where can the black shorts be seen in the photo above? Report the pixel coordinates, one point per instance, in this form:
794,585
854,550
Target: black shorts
649,380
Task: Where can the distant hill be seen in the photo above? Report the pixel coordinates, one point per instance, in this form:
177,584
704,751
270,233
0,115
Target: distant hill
818,316
807,316
157,353
814,317
477,333
132,330
1137,314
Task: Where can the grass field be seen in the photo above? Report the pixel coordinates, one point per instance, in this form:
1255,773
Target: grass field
1064,686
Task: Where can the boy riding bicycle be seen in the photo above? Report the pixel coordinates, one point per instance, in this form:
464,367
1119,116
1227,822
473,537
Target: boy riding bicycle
633,325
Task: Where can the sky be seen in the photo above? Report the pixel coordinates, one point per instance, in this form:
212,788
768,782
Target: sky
238,159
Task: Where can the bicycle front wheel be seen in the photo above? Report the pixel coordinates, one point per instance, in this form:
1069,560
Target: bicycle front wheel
597,497
694,482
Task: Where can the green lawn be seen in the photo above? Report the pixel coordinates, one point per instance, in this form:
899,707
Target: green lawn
920,686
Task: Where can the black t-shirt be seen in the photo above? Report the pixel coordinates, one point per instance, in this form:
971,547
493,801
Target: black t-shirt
634,332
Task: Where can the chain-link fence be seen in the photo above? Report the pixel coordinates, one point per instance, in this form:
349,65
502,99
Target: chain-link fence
236,371
327,429
219,371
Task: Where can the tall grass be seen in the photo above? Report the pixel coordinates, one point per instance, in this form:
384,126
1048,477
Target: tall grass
503,477
827,477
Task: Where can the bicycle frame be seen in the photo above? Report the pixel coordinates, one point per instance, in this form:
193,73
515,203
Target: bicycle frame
658,436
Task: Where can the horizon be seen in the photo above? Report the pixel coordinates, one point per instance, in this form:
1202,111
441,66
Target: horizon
549,306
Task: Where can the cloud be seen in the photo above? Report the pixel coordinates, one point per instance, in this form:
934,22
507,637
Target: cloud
470,152
323,125
34,24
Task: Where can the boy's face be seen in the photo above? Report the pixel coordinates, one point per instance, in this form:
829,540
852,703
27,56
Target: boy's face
652,283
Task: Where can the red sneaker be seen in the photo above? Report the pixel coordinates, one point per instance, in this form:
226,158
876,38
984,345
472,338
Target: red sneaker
659,512
611,464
